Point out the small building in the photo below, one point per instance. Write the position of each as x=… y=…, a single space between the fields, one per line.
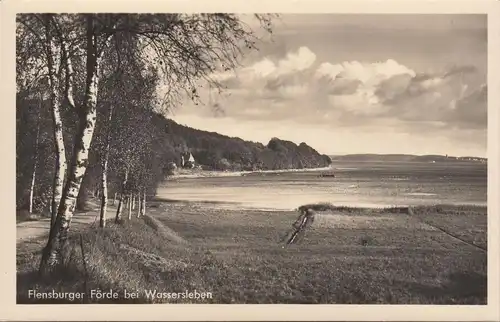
x=188 y=161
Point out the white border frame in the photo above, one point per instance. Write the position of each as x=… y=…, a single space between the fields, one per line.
x=192 y=312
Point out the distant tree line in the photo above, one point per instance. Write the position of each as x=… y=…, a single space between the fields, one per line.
x=219 y=152
x=160 y=142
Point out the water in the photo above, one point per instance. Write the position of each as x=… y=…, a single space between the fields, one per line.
x=360 y=184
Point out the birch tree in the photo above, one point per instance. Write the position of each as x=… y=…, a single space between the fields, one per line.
x=96 y=39
x=127 y=91
x=183 y=48
x=53 y=64
x=130 y=145
x=42 y=31
x=30 y=75
x=36 y=153
x=34 y=150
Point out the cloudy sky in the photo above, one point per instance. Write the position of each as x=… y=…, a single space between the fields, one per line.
x=360 y=84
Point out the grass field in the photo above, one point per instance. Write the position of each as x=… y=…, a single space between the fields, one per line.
x=428 y=255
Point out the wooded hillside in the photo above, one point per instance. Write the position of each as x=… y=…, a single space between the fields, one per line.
x=168 y=140
x=219 y=152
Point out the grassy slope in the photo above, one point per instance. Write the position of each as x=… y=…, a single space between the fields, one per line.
x=237 y=256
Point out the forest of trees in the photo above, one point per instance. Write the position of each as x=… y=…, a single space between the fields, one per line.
x=90 y=120
x=214 y=151
x=167 y=139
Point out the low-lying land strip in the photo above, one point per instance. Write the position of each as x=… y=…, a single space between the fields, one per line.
x=429 y=255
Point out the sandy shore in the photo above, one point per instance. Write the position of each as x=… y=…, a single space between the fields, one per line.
x=183 y=173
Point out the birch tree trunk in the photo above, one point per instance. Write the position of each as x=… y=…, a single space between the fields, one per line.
x=35 y=161
x=53 y=63
x=133 y=202
x=55 y=250
x=32 y=185
x=129 y=207
x=104 y=196
x=143 y=208
x=118 y=215
x=32 y=188
x=139 y=204
x=114 y=199
x=122 y=197
x=60 y=164
x=104 y=165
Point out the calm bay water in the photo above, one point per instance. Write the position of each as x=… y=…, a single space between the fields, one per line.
x=362 y=184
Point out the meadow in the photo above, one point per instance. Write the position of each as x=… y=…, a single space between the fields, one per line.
x=416 y=255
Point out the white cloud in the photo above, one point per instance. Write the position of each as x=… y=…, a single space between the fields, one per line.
x=367 y=73
x=293 y=62
x=368 y=77
x=296 y=88
x=303 y=59
x=329 y=70
x=432 y=83
x=262 y=68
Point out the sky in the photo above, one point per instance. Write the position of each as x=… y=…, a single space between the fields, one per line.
x=346 y=84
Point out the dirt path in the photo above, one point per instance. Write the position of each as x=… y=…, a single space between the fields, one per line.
x=33 y=229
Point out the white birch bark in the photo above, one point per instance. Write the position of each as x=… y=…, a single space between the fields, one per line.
x=53 y=63
x=129 y=207
x=104 y=165
x=55 y=249
x=69 y=74
x=35 y=161
x=104 y=196
x=118 y=215
x=138 y=205
x=122 y=197
x=143 y=208
x=32 y=187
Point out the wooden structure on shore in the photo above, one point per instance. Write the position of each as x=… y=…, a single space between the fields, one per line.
x=327 y=175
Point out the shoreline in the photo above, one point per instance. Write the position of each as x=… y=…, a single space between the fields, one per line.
x=237 y=206
x=194 y=174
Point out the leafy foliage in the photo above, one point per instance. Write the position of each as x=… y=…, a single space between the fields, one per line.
x=220 y=152
x=141 y=53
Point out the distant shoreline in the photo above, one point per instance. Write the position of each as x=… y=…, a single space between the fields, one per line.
x=360 y=206
x=193 y=174
x=404 y=158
